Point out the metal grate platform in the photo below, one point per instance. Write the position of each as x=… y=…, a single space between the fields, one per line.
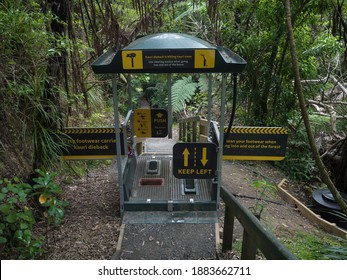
x=171 y=188
x=159 y=146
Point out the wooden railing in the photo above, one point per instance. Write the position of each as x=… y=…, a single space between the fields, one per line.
x=193 y=129
x=255 y=236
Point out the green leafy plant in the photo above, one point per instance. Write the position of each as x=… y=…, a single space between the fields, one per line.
x=318 y=246
x=335 y=252
x=264 y=190
x=298 y=163
x=48 y=193
x=182 y=91
x=17 y=220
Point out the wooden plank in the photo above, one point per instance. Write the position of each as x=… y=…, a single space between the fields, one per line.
x=309 y=214
x=266 y=242
x=249 y=248
x=228 y=230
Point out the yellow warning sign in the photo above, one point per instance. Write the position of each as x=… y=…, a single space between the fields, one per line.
x=142 y=123
x=204 y=58
x=90 y=143
x=257 y=130
x=255 y=143
x=132 y=60
x=89 y=130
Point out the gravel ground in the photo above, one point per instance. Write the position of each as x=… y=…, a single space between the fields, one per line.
x=91 y=226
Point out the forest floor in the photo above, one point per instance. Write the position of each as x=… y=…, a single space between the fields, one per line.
x=91 y=226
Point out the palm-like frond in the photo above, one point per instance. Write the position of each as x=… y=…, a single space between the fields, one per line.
x=182 y=91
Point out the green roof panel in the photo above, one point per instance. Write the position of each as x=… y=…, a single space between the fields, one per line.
x=168 y=41
x=169 y=53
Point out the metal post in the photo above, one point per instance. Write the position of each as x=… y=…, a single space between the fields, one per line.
x=221 y=137
x=118 y=144
x=130 y=96
x=209 y=101
x=168 y=86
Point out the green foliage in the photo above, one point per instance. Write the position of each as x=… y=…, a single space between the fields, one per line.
x=96 y=120
x=48 y=143
x=320 y=124
x=182 y=91
x=335 y=252
x=326 y=46
x=320 y=247
x=154 y=90
x=341 y=125
x=298 y=163
x=264 y=190
x=23 y=30
x=17 y=221
x=48 y=193
x=25 y=47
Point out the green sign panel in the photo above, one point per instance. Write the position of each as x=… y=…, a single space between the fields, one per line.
x=256 y=143
x=91 y=143
x=150 y=123
x=194 y=160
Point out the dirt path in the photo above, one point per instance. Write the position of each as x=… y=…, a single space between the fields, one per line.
x=278 y=216
x=91 y=226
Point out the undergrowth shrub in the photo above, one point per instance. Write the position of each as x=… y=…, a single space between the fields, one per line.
x=17 y=220
x=298 y=163
x=48 y=193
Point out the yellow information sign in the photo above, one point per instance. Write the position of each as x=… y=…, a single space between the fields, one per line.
x=91 y=143
x=142 y=123
x=255 y=143
x=132 y=60
x=150 y=122
x=204 y=58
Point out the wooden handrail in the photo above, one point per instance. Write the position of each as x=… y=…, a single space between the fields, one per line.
x=255 y=236
x=189 y=129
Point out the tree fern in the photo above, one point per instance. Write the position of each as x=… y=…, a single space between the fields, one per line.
x=203 y=83
x=182 y=91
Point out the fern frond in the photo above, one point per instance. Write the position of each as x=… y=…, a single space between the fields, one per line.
x=182 y=91
x=203 y=83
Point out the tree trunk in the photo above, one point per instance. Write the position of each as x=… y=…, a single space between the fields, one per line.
x=298 y=87
x=56 y=71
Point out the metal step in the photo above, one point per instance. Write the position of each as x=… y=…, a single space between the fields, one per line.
x=179 y=217
x=159 y=146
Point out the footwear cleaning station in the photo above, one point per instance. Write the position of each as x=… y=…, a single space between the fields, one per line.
x=157 y=175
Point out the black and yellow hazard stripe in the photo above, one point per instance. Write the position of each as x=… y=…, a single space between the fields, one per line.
x=257 y=130
x=88 y=130
x=87 y=157
x=252 y=157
